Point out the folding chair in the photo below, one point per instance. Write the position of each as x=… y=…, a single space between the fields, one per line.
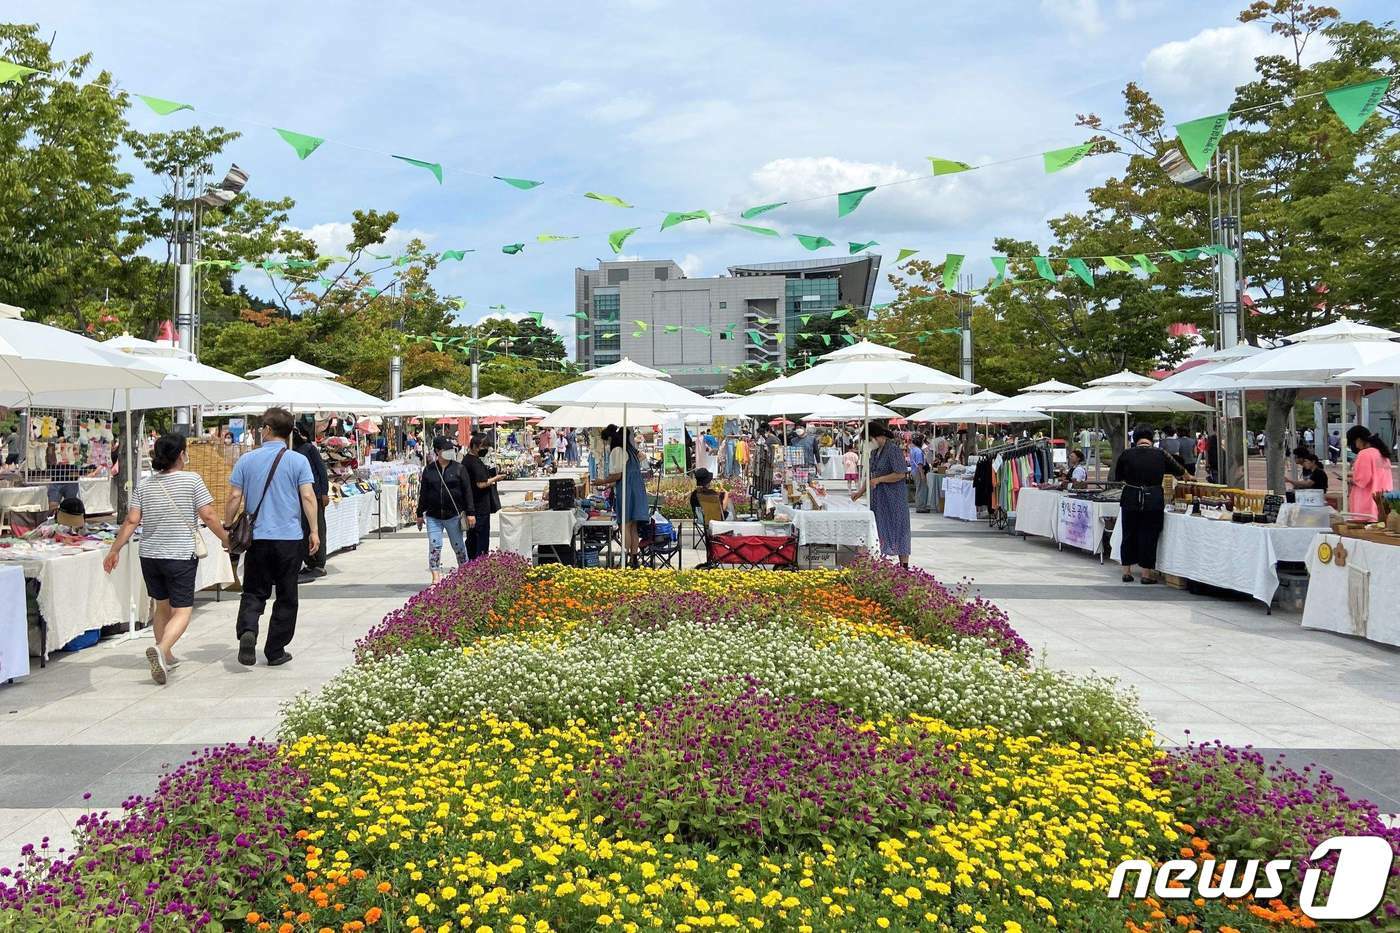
x=752 y=552
x=711 y=509
x=656 y=550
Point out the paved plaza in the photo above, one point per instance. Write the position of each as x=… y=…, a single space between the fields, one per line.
x=1204 y=667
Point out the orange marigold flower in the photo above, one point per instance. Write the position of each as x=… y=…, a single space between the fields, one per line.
x=253 y=917
x=373 y=914
x=264 y=926
x=384 y=887
x=286 y=928
x=1158 y=915
x=298 y=888
x=358 y=874
x=303 y=917
x=1199 y=843
x=1186 y=852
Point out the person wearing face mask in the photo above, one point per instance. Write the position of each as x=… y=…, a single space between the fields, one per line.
x=889 y=499
x=1141 y=469
x=445 y=499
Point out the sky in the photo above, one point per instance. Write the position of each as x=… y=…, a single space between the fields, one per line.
x=669 y=105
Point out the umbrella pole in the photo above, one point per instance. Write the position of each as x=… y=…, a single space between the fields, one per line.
x=1346 y=504
x=865 y=451
x=622 y=503
x=132 y=578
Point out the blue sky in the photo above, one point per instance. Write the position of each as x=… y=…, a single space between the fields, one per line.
x=669 y=105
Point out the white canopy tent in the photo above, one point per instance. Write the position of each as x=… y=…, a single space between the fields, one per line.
x=1122 y=393
x=430 y=402
x=844 y=409
x=301 y=387
x=1318 y=357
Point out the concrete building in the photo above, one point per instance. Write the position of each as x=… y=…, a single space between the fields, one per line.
x=696 y=329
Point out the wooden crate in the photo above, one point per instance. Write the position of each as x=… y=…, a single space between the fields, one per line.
x=1175 y=582
x=1378 y=537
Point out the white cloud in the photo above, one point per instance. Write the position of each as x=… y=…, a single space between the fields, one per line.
x=1080 y=15
x=560 y=92
x=691 y=265
x=708 y=119
x=623 y=109
x=332 y=238
x=1216 y=61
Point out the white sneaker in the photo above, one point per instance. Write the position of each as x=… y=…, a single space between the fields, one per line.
x=159 y=672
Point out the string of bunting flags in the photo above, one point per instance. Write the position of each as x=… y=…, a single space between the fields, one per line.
x=1353 y=104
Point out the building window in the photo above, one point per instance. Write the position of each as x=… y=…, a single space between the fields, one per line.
x=617 y=276
x=723 y=305
x=724 y=335
x=661 y=273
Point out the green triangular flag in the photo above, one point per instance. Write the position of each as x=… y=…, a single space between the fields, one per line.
x=1117 y=264
x=951 y=266
x=861 y=247
x=672 y=328
x=433 y=167
x=301 y=142
x=324 y=282
x=1200 y=137
x=729 y=331
x=1002 y=276
x=524 y=184
x=1145 y=264
x=848 y=201
x=618 y=237
x=1352 y=104
x=457 y=254
x=379 y=256
x=495 y=307
x=703 y=330
x=811 y=241
x=580 y=315
x=680 y=217
x=512 y=248
x=164 y=107
x=553 y=237
x=537 y=315
x=904 y=254
x=1058 y=159
x=1042 y=265
x=373 y=292
x=9 y=71
x=404 y=260
x=1177 y=255
x=584 y=336
x=947 y=166
x=804 y=318
x=849 y=338
x=607 y=199
x=753 y=212
x=461 y=303
x=840 y=313
x=761 y=231
x=1080 y=268
x=826 y=339
x=641 y=325
x=950 y=330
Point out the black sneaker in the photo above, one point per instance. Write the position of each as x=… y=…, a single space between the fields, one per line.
x=248 y=649
x=281 y=659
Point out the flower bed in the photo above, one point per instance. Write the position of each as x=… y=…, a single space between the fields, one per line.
x=522 y=749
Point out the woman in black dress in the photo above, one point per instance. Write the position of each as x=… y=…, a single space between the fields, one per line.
x=1141 y=469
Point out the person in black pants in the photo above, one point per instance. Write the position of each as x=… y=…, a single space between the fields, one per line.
x=321 y=486
x=486 y=498
x=278 y=489
x=1141 y=469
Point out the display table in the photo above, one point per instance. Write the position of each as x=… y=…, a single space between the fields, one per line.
x=935 y=494
x=959 y=499
x=366 y=513
x=388 y=506
x=1225 y=554
x=342 y=524
x=832 y=467
x=841 y=523
x=1038 y=512
x=751 y=529
x=14 y=625
x=76 y=595
x=1358 y=599
x=96 y=493
x=24 y=499
x=523 y=531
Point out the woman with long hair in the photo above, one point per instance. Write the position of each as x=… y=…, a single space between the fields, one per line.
x=1370 y=474
x=623 y=457
x=168 y=507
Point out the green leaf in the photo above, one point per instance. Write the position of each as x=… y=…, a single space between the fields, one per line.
x=607 y=199
x=164 y=107
x=524 y=184
x=433 y=167
x=301 y=142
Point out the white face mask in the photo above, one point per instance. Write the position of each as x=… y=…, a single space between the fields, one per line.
x=449 y=454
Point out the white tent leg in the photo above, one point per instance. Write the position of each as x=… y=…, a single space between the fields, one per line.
x=1346 y=505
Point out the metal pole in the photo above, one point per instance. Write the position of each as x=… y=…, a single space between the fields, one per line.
x=184 y=315
x=965 y=322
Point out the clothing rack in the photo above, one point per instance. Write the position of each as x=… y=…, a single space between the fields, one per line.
x=1022 y=463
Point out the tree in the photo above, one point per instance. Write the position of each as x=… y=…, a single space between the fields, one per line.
x=61 y=185
x=743 y=378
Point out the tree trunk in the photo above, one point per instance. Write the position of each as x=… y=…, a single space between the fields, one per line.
x=1280 y=404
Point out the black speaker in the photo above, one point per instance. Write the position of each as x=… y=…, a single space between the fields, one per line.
x=561 y=495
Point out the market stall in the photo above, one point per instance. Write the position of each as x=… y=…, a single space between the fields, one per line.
x=836 y=522
x=1226 y=554
x=1065 y=517
x=1354 y=588
x=14 y=625
x=350 y=517
x=523 y=530
x=959 y=499
x=1038 y=512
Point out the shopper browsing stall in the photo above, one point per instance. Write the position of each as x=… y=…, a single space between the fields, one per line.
x=1370 y=474
x=623 y=456
x=1313 y=476
x=445 y=503
x=168 y=507
x=321 y=486
x=889 y=499
x=487 y=499
x=1141 y=469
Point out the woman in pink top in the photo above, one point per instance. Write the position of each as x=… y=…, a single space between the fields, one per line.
x=1370 y=473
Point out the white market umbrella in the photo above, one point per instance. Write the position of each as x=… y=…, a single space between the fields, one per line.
x=1317 y=357
x=918 y=400
x=578 y=416
x=850 y=410
x=301 y=387
x=1051 y=387
x=630 y=387
x=37 y=358
x=778 y=404
x=430 y=402
x=867 y=368
x=125 y=343
x=497 y=397
x=295 y=368
x=1124 y=393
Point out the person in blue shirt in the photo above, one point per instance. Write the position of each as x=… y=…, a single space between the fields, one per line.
x=916 y=466
x=277 y=488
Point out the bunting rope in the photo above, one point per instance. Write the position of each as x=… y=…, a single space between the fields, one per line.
x=1352 y=103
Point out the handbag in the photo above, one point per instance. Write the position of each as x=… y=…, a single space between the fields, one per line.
x=240 y=532
x=201 y=550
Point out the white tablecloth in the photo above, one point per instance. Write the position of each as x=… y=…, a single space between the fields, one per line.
x=1362 y=598
x=1224 y=554
x=1038 y=512
x=342 y=524
x=24 y=499
x=759 y=529
x=959 y=499
x=388 y=506
x=832 y=465
x=841 y=523
x=1080 y=522
x=522 y=532
x=96 y=493
x=76 y=595
x=14 y=625
x=366 y=514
